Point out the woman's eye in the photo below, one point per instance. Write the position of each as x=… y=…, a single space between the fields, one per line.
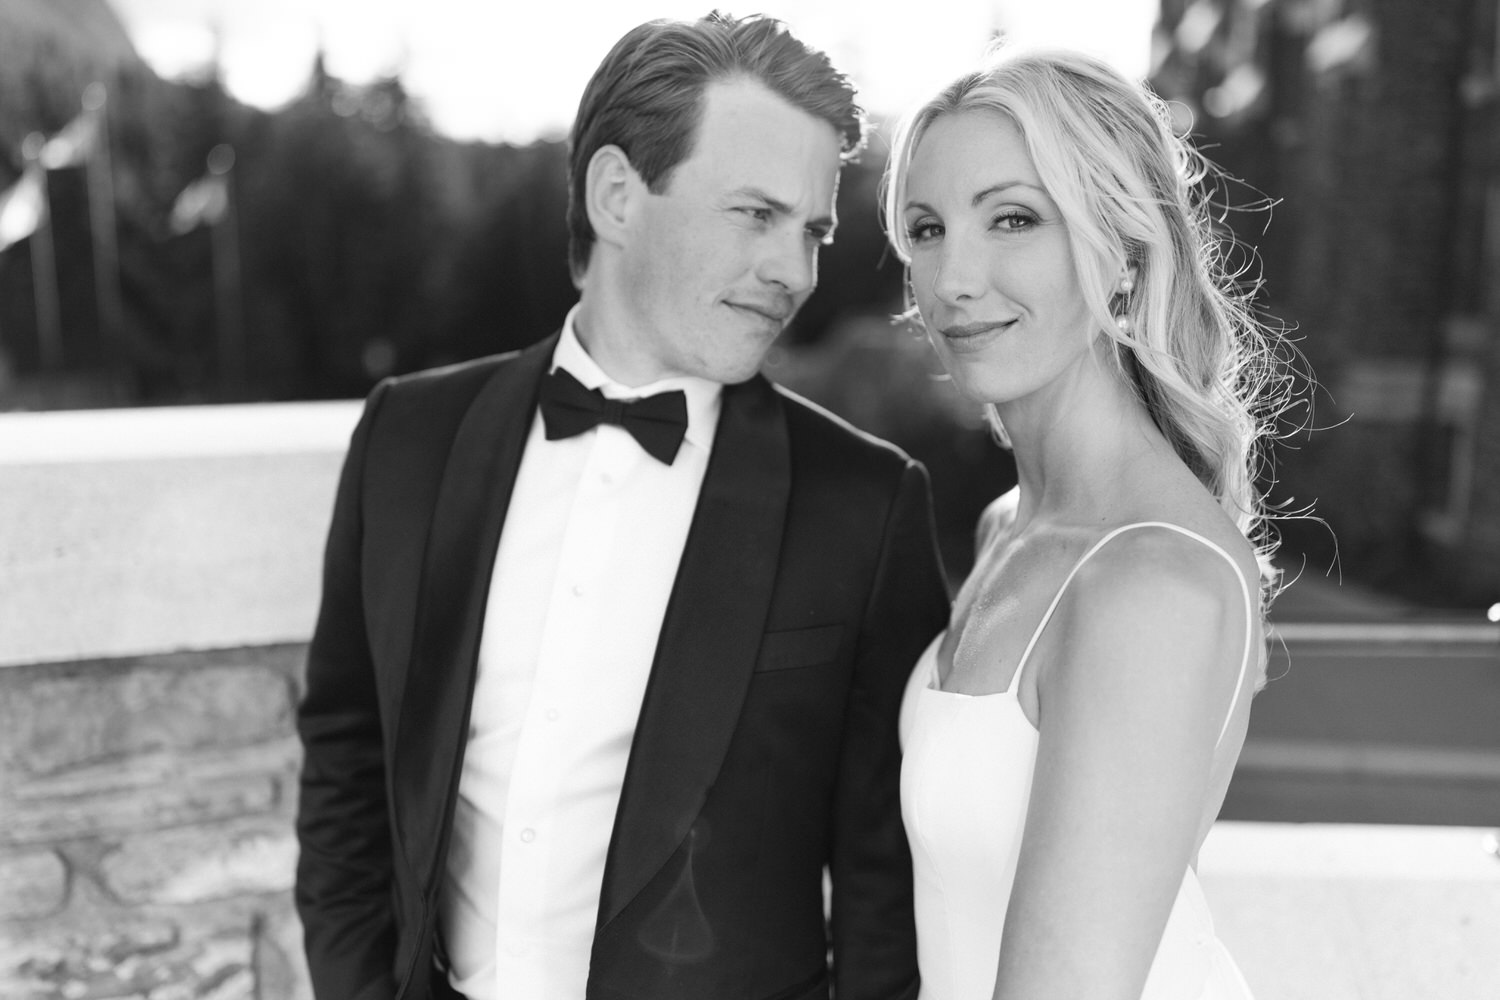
x=920 y=232
x=758 y=213
x=1015 y=222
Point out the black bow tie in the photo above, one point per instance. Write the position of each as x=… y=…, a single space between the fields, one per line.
x=657 y=422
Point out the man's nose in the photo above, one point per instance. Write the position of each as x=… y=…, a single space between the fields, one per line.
x=791 y=261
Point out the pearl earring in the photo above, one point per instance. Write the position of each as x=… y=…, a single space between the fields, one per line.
x=1122 y=319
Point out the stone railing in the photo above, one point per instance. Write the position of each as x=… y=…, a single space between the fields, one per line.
x=158 y=582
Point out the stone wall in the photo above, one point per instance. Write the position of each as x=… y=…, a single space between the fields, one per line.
x=147 y=848
x=158 y=579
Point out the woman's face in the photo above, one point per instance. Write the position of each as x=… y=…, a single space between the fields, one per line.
x=991 y=264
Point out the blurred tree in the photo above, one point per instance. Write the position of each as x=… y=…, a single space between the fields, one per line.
x=49 y=54
x=1375 y=124
x=506 y=284
x=857 y=274
x=341 y=217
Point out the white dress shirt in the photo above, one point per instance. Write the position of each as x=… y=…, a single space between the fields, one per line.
x=586 y=563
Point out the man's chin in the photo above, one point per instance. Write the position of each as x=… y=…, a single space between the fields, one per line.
x=734 y=375
x=733 y=371
x=736 y=366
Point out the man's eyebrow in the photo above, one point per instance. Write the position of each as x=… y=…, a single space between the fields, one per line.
x=777 y=205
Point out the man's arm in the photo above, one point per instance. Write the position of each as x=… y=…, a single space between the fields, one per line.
x=874 y=938
x=344 y=872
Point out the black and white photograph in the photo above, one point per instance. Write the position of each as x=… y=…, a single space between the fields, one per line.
x=629 y=500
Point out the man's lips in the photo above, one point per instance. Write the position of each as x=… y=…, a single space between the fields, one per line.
x=773 y=311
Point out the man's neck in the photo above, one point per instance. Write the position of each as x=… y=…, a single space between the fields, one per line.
x=605 y=333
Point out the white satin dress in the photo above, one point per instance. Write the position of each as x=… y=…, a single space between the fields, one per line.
x=964 y=821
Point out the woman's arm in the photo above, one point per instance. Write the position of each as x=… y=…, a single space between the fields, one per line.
x=1136 y=674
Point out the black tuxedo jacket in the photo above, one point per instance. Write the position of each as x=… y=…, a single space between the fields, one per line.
x=766 y=744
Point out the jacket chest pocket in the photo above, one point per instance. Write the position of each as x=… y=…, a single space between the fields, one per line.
x=792 y=649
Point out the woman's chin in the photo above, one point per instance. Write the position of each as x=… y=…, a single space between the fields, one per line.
x=978 y=386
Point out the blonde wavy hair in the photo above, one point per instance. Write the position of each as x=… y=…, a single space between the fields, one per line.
x=1128 y=189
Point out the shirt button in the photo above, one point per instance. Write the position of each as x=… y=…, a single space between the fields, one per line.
x=577 y=590
x=551 y=715
x=606 y=478
x=528 y=835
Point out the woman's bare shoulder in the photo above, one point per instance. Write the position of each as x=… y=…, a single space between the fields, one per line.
x=1156 y=598
x=1151 y=560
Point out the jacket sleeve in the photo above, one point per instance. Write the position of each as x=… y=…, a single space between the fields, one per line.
x=873 y=932
x=344 y=874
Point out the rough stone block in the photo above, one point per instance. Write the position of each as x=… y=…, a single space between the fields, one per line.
x=280 y=963
x=59 y=722
x=201 y=863
x=32 y=884
x=40 y=819
x=210 y=957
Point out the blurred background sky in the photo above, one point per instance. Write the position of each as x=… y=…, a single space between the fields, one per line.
x=513 y=71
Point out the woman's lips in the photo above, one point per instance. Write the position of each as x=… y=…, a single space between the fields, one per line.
x=966 y=337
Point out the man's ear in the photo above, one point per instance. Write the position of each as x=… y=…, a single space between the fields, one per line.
x=609 y=186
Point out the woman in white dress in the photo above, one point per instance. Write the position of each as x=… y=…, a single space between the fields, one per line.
x=1069 y=738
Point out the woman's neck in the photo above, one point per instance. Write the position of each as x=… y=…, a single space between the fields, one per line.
x=1079 y=443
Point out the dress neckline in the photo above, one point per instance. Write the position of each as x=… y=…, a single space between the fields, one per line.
x=1011 y=690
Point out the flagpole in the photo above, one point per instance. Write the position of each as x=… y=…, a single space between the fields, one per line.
x=101 y=187
x=44 y=268
x=225 y=240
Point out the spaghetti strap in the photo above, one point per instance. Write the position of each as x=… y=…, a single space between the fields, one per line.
x=1238 y=575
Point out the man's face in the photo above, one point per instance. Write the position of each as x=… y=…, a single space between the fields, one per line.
x=716 y=265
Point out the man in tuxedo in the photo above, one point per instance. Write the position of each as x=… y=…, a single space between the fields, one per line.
x=614 y=632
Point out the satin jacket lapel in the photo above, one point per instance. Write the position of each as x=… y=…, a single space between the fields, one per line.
x=709 y=639
x=465 y=531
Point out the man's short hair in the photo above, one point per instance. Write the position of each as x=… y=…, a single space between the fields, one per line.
x=647 y=98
